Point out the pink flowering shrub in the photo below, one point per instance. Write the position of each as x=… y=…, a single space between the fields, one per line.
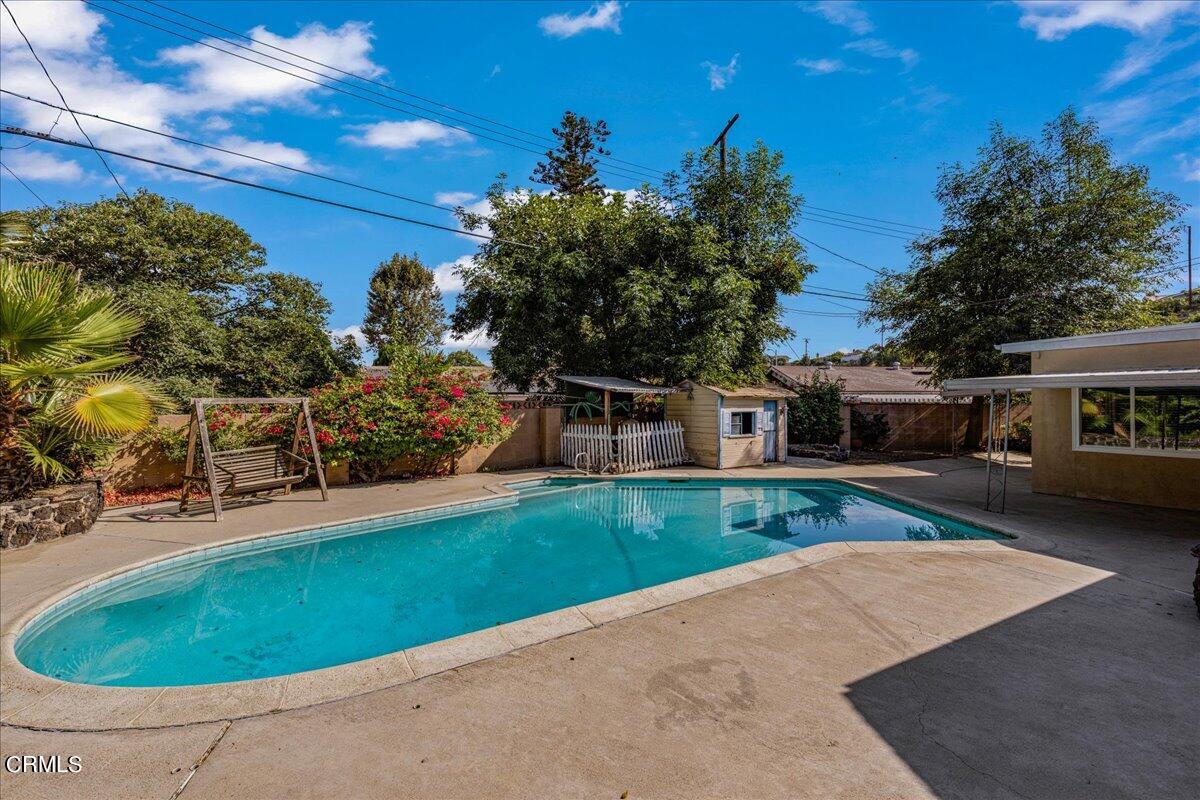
x=420 y=412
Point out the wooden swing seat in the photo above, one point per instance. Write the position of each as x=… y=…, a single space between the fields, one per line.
x=251 y=470
x=248 y=470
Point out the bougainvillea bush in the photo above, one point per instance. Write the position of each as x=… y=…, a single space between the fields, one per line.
x=421 y=412
x=231 y=427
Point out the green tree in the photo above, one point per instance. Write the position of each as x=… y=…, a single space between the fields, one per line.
x=347 y=355
x=63 y=396
x=615 y=287
x=194 y=278
x=404 y=307
x=815 y=413
x=751 y=205
x=657 y=286
x=570 y=168
x=281 y=330
x=1040 y=239
x=462 y=358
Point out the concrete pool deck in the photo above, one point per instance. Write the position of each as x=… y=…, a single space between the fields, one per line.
x=1065 y=663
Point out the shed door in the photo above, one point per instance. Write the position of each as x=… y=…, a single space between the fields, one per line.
x=769 y=414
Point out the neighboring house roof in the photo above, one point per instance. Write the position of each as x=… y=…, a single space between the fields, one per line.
x=764 y=392
x=605 y=382
x=1185 y=332
x=858 y=380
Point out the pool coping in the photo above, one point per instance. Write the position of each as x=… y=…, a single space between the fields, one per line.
x=29 y=699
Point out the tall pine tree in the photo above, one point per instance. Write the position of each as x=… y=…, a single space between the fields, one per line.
x=570 y=168
x=404 y=306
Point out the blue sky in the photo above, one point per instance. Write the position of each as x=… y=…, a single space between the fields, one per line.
x=865 y=100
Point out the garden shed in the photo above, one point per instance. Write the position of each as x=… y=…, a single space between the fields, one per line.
x=731 y=427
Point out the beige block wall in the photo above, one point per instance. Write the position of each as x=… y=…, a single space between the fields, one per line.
x=1168 y=481
x=698 y=414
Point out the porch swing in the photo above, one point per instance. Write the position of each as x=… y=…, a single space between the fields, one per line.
x=248 y=471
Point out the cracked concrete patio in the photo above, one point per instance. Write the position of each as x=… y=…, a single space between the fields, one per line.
x=1065 y=665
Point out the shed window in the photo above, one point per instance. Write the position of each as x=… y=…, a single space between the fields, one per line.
x=1151 y=421
x=741 y=423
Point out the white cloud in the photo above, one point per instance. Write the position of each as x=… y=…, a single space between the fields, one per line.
x=825 y=66
x=925 y=99
x=471 y=340
x=600 y=17
x=268 y=151
x=1189 y=166
x=1056 y=19
x=877 y=48
x=495 y=71
x=446 y=276
x=406 y=135
x=219 y=81
x=844 y=13
x=350 y=330
x=453 y=198
x=1141 y=56
x=721 y=76
x=1161 y=112
x=52 y=26
x=34 y=165
x=208 y=90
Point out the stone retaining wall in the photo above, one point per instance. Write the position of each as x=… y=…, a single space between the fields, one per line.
x=50 y=513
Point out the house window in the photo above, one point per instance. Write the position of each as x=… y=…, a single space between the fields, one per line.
x=1148 y=421
x=741 y=423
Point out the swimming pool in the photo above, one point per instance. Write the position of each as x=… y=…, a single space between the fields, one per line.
x=331 y=596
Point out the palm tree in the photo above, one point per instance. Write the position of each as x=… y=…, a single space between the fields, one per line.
x=61 y=394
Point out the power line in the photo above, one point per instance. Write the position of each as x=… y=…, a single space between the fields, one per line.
x=860 y=230
x=856 y=295
x=618 y=172
x=23 y=183
x=227 y=151
x=872 y=219
x=252 y=185
x=838 y=296
x=863 y=225
x=839 y=255
x=78 y=124
x=366 y=79
x=818 y=313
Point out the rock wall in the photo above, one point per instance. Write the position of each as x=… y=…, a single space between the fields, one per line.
x=50 y=513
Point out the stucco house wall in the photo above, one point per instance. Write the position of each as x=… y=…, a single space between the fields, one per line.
x=1058 y=468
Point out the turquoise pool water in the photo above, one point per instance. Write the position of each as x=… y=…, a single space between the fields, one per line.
x=343 y=594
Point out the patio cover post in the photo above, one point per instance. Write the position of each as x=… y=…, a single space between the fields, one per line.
x=987 y=487
x=1004 y=472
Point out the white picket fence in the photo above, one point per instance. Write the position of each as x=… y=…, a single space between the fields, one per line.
x=634 y=447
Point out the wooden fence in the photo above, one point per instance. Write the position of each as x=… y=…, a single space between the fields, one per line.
x=634 y=447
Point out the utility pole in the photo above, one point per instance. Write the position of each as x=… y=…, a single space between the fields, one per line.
x=720 y=140
x=806 y=349
x=1189 y=266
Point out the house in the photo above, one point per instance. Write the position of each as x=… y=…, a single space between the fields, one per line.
x=1116 y=416
x=731 y=427
x=854 y=357
x=919 y=416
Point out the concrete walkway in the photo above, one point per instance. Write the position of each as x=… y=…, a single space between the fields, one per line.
x=1065 y=666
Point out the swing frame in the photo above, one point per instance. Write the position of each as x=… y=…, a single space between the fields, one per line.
x=198 y=435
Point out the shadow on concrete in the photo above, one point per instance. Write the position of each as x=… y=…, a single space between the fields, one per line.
x=1095 y=694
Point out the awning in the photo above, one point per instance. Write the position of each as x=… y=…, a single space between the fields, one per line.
x=1174 y=376
x=604 y=382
